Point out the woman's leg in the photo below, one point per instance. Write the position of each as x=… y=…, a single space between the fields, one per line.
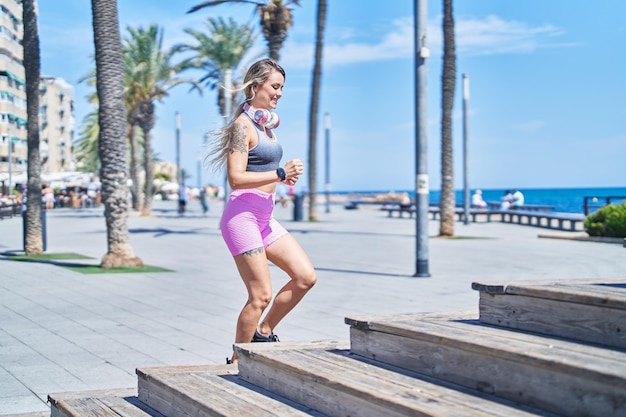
x=289 y=256
x=255 y=273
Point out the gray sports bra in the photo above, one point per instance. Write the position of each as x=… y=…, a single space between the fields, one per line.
x=266 y=154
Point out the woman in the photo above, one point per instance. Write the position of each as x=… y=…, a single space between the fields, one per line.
x=250 y=150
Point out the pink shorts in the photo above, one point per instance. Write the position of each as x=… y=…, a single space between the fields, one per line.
x=248 y=221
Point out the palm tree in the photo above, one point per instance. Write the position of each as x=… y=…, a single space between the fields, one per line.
x=86 y=150
x=87 y=144
x=132 y=117
x=135 y=158
x=448 y=82
x=152 y=75
x=32 y=64
x=112 y=143
x=275 y=18
x=315 y=90
x=216 y=53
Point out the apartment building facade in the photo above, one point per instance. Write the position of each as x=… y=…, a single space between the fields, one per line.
x=13 y=146
x=56 y=106
x=56 y=122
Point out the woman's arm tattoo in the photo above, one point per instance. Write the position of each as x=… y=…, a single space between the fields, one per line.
x=238 y=140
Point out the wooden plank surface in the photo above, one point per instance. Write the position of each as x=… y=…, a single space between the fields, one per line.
x=210 y=391
x=511 y=345
x=599 y=294
x=336 y=383
x=581 y=322
x=555 y=375
x=363 y=321
x=496 y=287
x=99 y=403
x=602 y=292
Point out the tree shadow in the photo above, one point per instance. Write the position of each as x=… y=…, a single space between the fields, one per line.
x=162 y=231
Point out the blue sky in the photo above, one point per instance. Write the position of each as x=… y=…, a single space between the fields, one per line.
x=547 y=88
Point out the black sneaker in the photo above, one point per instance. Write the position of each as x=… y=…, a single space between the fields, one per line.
x=228 y=361
x=258 y=337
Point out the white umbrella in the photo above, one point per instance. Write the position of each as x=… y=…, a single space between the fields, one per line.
x=170 y=186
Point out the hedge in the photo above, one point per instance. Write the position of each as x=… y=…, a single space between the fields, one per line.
x=609 y=221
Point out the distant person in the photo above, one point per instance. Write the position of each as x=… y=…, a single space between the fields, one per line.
x=507 y=200
x=518 y=198
x=182 y=198
x=405 y=201
x=203 y=201
x=48 y=197
x=249 y=149
x=477 y=200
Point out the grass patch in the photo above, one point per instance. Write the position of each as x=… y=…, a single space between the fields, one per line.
x=59 y=259
x=95 y=269
x=45 y=256
x=462 y=237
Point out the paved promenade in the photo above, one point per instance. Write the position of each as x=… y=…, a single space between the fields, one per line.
x=65 y=331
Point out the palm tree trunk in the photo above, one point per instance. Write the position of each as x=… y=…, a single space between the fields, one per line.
x=146 y=121
x=134 y=167
x=112 y=142
x=448 y=81
x=315 y=96
x=146 y=210
x=32 y=64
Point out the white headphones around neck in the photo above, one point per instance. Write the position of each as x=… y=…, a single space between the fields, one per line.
x=262 y=117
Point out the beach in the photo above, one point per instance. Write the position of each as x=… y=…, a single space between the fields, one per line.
x=62 y=330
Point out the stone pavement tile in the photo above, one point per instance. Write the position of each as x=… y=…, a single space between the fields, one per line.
x=15 y=406
x=10 y=386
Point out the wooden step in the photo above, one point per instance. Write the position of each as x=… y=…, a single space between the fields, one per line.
x=211 y=390
x=335 y=382
x=591 y=311
x=100 y=403
x=551 y=374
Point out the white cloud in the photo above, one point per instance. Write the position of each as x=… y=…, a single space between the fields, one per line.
x=530 y=127
x=486 y=36
x=493 y=35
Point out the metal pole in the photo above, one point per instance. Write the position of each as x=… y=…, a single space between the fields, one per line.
x=199 y=173
x=178 y=170
x=228 y=104
x=10 y=162
x=327 y=129
x=421 y=139
x=466 y=189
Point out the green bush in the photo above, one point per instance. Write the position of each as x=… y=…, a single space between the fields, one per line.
x=609 y=221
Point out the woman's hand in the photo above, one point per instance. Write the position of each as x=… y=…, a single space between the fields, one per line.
x=291 y=181
x=293 y=169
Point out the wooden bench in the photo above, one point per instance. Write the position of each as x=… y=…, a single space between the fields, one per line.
x=460 y=213
x=497 y=205
x=396 y=208
x=549 y=220
x=543 y=219
x=8 y=209
x=354 y=204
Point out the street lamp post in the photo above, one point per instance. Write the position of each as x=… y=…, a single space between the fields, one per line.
x=199 y=172
x=228 y=105
x=327 y=188
x=178 y=170
x=421 y=133
x=10 y=162
x=466 y=190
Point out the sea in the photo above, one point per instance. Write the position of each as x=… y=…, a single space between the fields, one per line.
x=565 y=200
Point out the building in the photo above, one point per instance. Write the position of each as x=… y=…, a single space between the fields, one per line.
x=56 y=121
x=13 y=146
x=56 y=111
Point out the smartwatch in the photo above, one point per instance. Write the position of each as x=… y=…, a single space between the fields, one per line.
x=281 y=174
